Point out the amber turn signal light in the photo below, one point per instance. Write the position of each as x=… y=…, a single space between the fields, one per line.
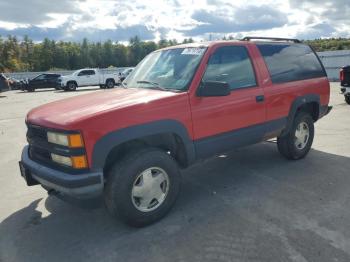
x=79 y=162
x=75 y=140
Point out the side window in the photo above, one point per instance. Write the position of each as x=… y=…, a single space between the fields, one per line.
x=90 y=72
x=40 y=77
x=51 y=76
x=290 y=62
x=83 y=73
x=231 y=64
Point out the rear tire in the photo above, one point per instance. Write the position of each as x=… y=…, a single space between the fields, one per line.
x=347 y=99
x=109 y=83
x=297 y=143
x=142 y=187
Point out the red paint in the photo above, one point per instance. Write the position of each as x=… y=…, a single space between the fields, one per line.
x=342 y=75
x=99 y=113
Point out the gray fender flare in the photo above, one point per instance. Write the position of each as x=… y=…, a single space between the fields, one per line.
x=105 y=144
x=297 y=103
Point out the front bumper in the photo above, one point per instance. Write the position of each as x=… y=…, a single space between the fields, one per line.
x=59 y=85
x=82 y=186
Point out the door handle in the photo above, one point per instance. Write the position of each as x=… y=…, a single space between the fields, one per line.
x=260 y=99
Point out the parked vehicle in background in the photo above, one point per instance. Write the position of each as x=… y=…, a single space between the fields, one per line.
x=4 y=83
x=88 y=77
x=125 y=73
x=16 y=84
x=180 y=104
x=345 y=82
x=41 y=81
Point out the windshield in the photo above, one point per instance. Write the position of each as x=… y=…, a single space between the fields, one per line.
x=170 y=69
x=126 y=71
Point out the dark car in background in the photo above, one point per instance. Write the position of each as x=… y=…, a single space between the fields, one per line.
x=345 y=82
x=42 y=81
x=4 y=83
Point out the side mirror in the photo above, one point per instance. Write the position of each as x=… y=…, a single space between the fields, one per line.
x=214 y=88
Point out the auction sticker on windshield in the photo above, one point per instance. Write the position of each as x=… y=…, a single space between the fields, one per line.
x=193 y=51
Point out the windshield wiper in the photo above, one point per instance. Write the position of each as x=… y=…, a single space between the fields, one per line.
x=155 y=85
x=147 y=82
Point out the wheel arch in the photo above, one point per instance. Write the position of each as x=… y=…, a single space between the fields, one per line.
x=72 y=81
x=169 y=135
x=109 y=79
x=307 y=103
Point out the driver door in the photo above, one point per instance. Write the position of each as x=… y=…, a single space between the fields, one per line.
x=222 y=122
x=83 y=78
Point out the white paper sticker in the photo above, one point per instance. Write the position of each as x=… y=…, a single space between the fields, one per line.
x=193 y=51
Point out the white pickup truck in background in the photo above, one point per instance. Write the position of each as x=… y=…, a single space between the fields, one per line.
x=88 y=77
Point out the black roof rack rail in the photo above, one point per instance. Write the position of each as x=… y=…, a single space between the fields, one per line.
x=249 y=38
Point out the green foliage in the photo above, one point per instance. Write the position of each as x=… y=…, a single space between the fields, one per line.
x=49 y=54
x=330 y=44
x=26 y=55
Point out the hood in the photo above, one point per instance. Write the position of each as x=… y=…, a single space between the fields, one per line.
x=64 y=113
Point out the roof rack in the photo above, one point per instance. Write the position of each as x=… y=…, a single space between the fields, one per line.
x=249 y=38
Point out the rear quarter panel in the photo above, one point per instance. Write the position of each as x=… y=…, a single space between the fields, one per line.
x=279 y=97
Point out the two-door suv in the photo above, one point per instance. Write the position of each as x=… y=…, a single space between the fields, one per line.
x=180 y=104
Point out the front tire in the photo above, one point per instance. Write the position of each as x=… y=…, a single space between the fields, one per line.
x=142 y=187
x=347 y=99
x=71 y=86
x=297 y=143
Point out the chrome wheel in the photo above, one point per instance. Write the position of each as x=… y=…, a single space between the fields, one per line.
x=302 y=134
x=150 y=189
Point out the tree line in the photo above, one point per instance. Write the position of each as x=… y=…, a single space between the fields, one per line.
x=26 y=55
x=331 y=44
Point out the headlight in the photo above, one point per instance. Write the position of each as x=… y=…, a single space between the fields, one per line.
x=64 y=160
x=77 y=162
x=69 y=140
x=56 y=138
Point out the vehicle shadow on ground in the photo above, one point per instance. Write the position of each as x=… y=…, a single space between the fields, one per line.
x=80 y=90
x=36 y=91
x=57 y=91
x=231 y=207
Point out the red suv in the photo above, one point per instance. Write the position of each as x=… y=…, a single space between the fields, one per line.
x=180 y=104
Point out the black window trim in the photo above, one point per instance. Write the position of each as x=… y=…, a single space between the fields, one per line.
x=251 y=62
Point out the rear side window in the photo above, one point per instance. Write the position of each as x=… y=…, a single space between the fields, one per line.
x=86 y=73
x=231 y=64
x=291 y=62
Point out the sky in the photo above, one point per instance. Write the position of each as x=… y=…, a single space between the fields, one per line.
x=118 y=20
